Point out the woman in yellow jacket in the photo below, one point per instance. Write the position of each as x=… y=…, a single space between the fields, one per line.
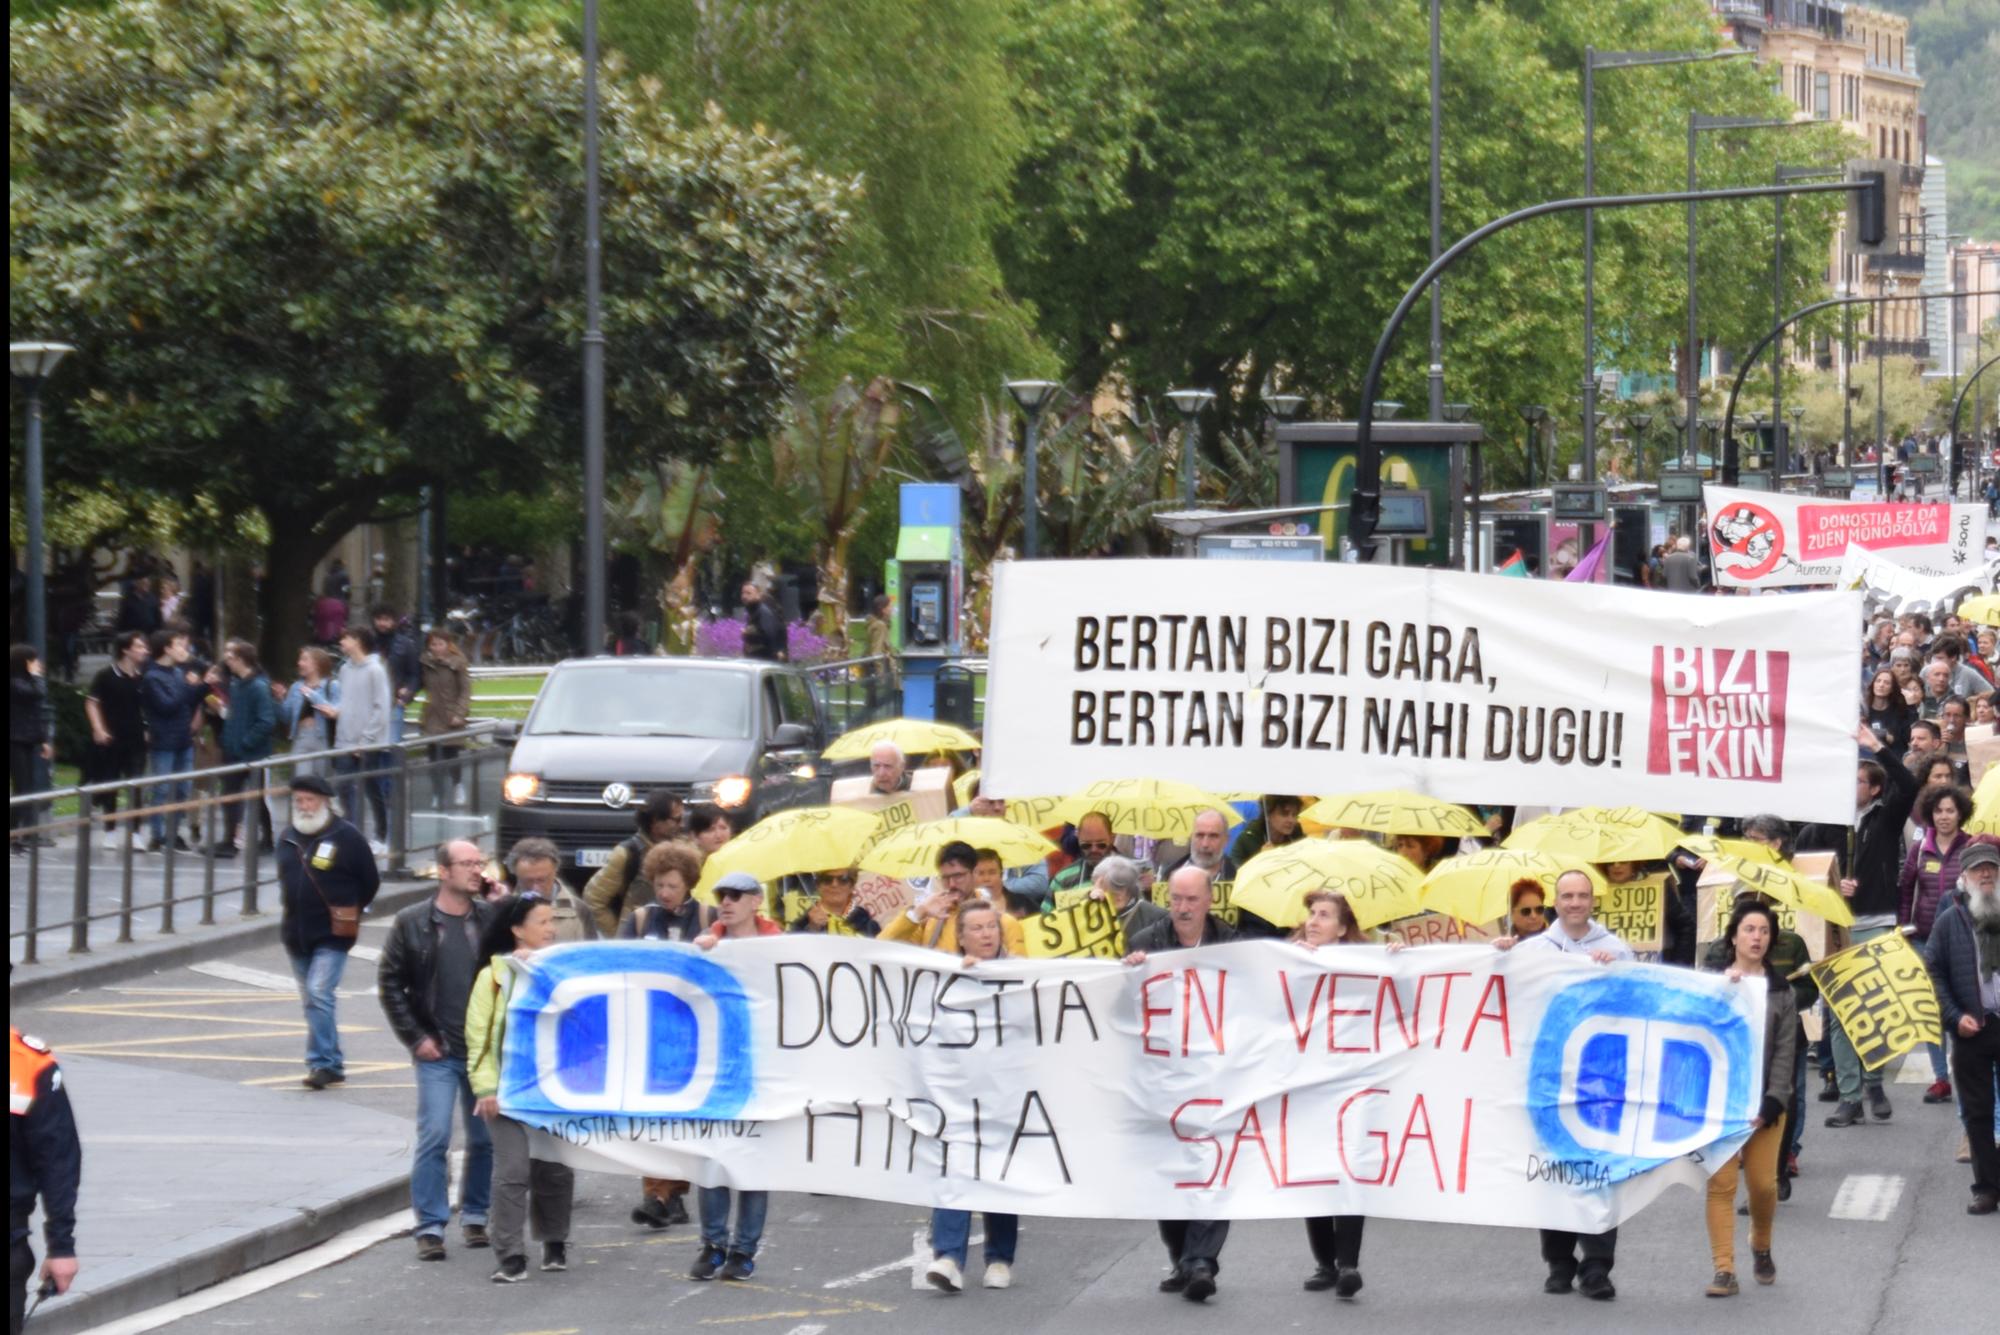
x=524 y=924
x=934 y=922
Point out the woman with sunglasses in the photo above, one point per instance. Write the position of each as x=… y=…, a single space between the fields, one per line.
x=981 y=935
x=834 y=909
x=1335 y=1239
x=521 y=925
x=738 y=897
x=1527 y=909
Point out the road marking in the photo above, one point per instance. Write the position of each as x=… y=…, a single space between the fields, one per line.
x=916 y=1263
x=1914 y=1072
x=244 y=974
x=96 y=1049
x=370 y=953
x=1868 y=1197
x=334 y=1249
x=807 y=1328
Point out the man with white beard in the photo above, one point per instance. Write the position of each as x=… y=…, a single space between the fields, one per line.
x=1964 y=958
x=1206 y=841
x=326 y=877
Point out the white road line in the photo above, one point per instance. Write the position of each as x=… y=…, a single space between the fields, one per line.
x=807 y=1328
x=1916 y=1069
x=369 y=953
x=264 y=1277
x=244 y=974
x=1868 y=1197
x=916 y=1263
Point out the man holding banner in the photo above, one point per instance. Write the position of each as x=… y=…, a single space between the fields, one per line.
x=1964 y=960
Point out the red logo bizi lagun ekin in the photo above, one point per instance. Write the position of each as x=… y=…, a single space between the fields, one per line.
x=1719 y=713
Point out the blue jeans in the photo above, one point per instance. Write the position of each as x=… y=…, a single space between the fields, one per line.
x=751 y=1207
x=441 y=1085
x=365 y=774
x=319 y=976
x=950 y=1230
x=177 y=760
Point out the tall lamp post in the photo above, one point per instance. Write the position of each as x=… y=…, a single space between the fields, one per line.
x=1189 y=403
x=1460 y=556
x=1532 y=414
x=32 y=365
x=1031 y=397
x=593 y=353
x=1641 y=423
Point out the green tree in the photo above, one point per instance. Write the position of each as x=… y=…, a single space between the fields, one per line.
x=316 y=256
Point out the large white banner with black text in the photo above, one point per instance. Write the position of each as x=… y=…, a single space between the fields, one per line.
x=1252 y=1080
x=1767 y=540
x=1327 y=679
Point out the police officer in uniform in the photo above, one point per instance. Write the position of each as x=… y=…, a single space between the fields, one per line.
x=43 y=1158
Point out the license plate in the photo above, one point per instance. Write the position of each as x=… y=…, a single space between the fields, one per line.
x=592 y=857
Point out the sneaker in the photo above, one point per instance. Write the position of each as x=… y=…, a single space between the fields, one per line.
x=1597 y=1287
x=1320 y=1280
x=1763 y=1267
x=999 y=1275
x=1559 y=1282
x=318 y=1078
x=222 y=850
x=334 y=1077
x=513 y=1269
x=739 y=1267
x=1175 y=1282
x=1723 y=1285
x=1939 y=1092
x=475 y=1236
x=651 y=1212
x=1847 y=1114
x=1964 y=1154
x=430 y=1247
x=944 y=1274
x=677 y=1210
x=1878 y=1102
x=1348 y=1284
x=1829 y=1089
x=707 y=1263
x=555 y=1256
x=1200 y=1282
x=181 y=845
x=111 y=841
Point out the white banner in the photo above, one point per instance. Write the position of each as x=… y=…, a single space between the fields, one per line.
x=1252 y=1080
x=1476 y=688
x=1769 y=540
x=1890 y=589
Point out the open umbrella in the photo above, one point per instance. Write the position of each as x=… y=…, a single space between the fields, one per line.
x=1395 y=811
x=913 y=850
x=1377 y=884
x=1154 y=808
x=1476 y=887
x=1986 y=802
x=1772 y=875
x=1600 y=834
x=916 y=737
x=1983 y=608
x=785 y=843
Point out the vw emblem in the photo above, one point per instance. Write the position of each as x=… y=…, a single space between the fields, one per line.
x=616 y=795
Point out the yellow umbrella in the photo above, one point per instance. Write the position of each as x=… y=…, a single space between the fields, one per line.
x=1155 y=808
x=964 y=788
x=1475 y=887
x=1377 y=884
x=916 y=737
x=913 y=850
x=1783 y=882
x=1395 y=811
x=1986 y=803
x=1600 y=834
x=802 y=839
x=1983 y=608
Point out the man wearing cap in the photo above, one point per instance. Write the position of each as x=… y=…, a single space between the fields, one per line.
x=324 y=863
x=1964 y=959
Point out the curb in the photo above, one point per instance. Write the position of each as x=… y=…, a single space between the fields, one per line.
x=29 y=984
x=225 y=1260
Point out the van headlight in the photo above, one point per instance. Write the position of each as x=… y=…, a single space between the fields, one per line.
x=728 y=792
x=521 y=789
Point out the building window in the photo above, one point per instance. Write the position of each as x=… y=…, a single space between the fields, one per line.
x=1822 y=96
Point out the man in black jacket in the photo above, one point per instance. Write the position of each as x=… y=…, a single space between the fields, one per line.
x=1884 y=794
x=763 y=628
x=1964 y=959
x=323 y=863
x=1193 y=1245
x=424 y=979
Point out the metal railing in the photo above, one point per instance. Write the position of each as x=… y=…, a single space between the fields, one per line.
x=856 y=691
x=455 y=768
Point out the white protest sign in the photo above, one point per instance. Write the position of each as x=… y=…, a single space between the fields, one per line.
x=1251 y=1080
x=1891 y=590
x=1771 y=540
x=1342 y=678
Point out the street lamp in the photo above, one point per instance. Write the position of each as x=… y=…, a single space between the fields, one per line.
x=1386 y=410
x=1031 y=397
x=1639 y=424
x=1284 y=407
x=1189 y=402
x=1457 y=412
x=593 y=353
x=1532 y=414
x=32 y=364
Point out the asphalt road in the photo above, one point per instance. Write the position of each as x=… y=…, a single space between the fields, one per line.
x=831 y=1265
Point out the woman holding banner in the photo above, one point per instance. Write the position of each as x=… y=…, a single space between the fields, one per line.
x=979 y=934
x=1752 y=929
x=1335 y=1239
x=1527 y=908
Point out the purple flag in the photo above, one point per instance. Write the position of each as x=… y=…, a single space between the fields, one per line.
x=1587 y=569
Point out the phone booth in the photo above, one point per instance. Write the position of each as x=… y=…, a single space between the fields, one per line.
x=926 y=587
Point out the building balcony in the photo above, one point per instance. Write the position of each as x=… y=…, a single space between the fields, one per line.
x=1913 y=177
x=1919 y=348
x=1740 y=11
x=1896 y=264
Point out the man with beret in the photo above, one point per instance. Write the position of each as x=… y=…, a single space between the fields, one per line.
x=326 y=877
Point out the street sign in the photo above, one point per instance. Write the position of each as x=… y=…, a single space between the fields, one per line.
x=1259 y=547
x=1406 y=513
x=1680 y=486
x=1837 y=479
x=1577 y=502
x=1924 y=463
x=1754 y=479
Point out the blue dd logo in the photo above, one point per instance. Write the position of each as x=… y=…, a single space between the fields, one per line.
x=1631 y=1071
x=647 y=1031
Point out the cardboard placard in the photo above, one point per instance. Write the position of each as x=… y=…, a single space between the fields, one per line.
x=1429 y=929
x=1636 y=912
x=1220 y=894
x=1086 y=929
x=1883 y=996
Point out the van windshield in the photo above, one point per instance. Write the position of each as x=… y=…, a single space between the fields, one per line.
x=643 y=702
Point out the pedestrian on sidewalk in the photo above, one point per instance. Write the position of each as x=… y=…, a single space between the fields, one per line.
x=522 y=1182
x=396 y=642
x=1964 y=960
x=978 y=929
x=447 y=681
x=117 y=726
x=29 y=748
x=1752 y=930
x=170 y=695
x=425 y=980
x=249 y=721
x=44 y=1159
x=738 y=896
x=308 y=708
x=363 y=719
x=326 y=878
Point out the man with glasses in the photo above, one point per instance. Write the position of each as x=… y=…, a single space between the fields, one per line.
x=834 y=909
x=423 y=981
x=323 y=864
x=934 y=922
x=1094 y=843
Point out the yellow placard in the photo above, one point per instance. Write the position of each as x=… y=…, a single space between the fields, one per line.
x=1429 y=929
x=1088 y=928
x=1636 y=912
x=1882 y=995
x=1220 y=894
x=796 y=904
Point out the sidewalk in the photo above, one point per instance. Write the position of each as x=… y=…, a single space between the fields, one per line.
x=188 y=1181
